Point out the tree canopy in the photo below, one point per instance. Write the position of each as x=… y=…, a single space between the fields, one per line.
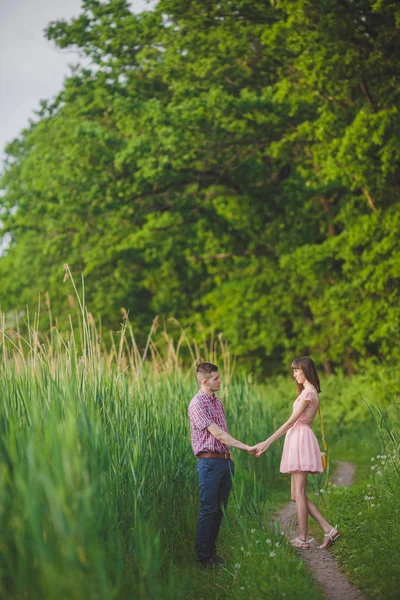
x=231 y=164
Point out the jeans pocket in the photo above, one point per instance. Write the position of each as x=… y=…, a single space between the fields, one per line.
x=205 y=466
x=202 y=465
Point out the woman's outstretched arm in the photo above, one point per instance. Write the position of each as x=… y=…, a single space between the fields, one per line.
x=298 y=410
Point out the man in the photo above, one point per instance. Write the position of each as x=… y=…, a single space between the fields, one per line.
x=210 y=443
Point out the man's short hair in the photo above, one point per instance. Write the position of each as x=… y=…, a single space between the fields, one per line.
x=204 y=371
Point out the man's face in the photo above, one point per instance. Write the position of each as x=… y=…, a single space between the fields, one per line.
x=214 y=382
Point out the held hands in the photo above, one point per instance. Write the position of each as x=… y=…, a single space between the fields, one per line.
x=259 y=449
x=262 y=447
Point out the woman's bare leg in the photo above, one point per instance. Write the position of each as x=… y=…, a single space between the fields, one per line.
x=316 y=515
x=299 y=480
x=327 y=527
x=314 y=512
x=292 y=489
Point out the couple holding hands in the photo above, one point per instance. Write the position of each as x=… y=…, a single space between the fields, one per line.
x=211 y=442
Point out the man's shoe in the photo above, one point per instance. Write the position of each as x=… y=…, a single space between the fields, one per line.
x=217 y=559
x=207 y=563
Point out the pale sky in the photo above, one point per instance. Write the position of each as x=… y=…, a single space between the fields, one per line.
x=32 y=68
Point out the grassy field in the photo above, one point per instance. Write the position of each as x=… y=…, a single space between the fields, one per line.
x=98 y=483
x=369 y=511
x=99 y=493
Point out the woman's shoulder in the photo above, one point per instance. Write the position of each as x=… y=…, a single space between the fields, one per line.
x=309 y=394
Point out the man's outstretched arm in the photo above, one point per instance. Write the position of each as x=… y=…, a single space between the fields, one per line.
x=227 y=439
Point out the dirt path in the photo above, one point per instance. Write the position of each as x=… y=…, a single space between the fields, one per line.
x=321 y=562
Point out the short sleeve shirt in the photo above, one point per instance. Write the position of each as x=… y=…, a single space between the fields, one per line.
x=204 y=410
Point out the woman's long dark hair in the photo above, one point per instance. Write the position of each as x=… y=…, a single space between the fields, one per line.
x=310 y=372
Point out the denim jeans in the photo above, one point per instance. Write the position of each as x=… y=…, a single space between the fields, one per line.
x=215 y=482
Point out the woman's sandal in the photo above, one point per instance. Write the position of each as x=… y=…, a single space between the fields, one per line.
x=302 y=545
x=332 y=538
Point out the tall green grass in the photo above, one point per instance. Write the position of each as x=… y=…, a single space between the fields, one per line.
x=368 y=513
x=98 y=483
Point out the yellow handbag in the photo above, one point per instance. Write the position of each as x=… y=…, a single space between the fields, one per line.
x=324 y=456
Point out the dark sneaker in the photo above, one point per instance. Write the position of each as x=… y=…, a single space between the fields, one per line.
x=217 y=559
x=208 y=563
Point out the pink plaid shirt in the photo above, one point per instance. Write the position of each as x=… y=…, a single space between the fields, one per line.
x=204 y=410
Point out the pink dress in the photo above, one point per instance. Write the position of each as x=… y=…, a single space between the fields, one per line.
x=301 y=451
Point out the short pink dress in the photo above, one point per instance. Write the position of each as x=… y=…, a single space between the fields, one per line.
x=301 y=451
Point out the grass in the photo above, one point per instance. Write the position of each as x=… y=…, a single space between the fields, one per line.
x=257 y=567
x=369 y=512
x=99 y=495
x=369 y=515
x=98 y=483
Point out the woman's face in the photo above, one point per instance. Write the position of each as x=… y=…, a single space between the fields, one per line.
x=299 y=375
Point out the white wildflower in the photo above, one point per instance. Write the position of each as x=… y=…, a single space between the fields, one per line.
x=277 y=544
x=237 y=566
x=248 y=554
x=268 y=541
x=272 y=554
x=372 y=459
x=379 y=473
x=372 y=468
x=321 y=491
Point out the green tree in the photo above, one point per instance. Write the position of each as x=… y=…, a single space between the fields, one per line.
x=230 y=164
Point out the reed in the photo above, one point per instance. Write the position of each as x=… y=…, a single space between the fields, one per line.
x=98 y=482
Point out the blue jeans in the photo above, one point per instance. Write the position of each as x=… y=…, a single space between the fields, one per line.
x=215 y=482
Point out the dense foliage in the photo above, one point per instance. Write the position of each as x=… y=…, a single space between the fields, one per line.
x=231 y=164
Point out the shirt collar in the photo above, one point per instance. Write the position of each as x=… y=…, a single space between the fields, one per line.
x=211 y=398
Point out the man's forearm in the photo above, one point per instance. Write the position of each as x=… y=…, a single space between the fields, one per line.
x=228 y=440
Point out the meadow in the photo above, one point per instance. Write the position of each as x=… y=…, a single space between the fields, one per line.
x=234 y=164
x=98 y=483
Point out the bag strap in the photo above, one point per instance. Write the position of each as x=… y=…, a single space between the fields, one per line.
x=325 y=447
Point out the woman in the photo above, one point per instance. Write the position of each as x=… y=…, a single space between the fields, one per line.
x=301 y=454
